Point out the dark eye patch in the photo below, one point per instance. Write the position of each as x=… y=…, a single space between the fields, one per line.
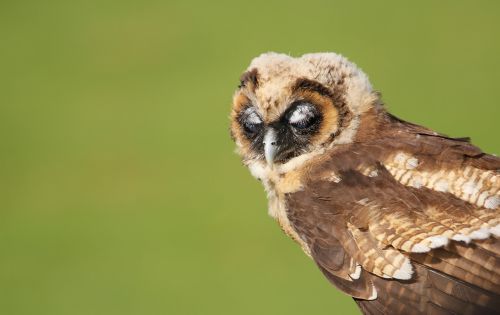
x=250 y=121
x=303 y=117
x=294 y=129
x=251 y=128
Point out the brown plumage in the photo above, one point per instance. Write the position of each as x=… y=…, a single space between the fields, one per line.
x=397 y=216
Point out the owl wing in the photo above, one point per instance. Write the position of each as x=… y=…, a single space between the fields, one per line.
x=407 y=233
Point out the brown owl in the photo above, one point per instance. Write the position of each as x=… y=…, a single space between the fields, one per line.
x=399 y=217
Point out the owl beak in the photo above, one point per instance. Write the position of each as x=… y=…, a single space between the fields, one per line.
x=270 y=145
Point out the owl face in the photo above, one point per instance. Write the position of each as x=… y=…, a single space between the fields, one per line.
x=283 y=138
x=286 y=107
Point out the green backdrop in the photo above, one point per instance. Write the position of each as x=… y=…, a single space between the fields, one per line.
x=120 y=192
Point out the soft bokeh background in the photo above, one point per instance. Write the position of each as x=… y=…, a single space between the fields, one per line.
x=119 y=189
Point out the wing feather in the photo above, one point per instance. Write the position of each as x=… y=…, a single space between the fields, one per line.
x=413 y=199
x=380 y=224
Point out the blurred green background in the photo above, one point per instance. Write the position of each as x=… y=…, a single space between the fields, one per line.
x=119 y=189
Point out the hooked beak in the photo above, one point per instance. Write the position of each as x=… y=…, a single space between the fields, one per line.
x=270 y=145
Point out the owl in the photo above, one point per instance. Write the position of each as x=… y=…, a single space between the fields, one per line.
x=401 y=218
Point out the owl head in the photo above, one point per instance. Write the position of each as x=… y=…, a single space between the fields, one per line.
x=286 y=108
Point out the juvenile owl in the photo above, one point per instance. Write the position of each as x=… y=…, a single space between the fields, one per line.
x=399 y=217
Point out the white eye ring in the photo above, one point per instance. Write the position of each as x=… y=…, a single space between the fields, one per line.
x=252 y=117
x=301 y=113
